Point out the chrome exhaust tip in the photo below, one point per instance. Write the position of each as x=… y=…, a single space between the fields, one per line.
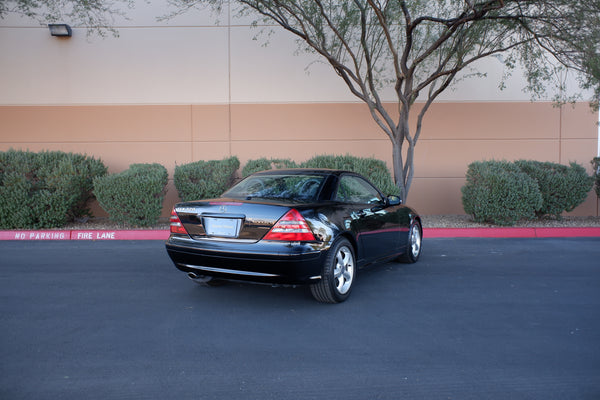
x=201 y=280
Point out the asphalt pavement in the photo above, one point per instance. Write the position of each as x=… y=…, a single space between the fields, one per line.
x=473 y=319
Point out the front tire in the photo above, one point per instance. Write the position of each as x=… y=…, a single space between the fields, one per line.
x=339 y=273
x=413 y=243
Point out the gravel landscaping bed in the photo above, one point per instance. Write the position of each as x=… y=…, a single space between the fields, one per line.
x=465 y=221
x=106 y=224
x=429 y=221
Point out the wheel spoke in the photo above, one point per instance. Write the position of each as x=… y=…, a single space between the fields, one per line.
x=347 y=275
x=347 y=260
x=338 y=271
x=415 y=241
x=343 y=272
x=340 y=276
x=340 y=259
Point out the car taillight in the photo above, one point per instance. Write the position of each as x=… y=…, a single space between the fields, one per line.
x=176 y=225
x=292 y=227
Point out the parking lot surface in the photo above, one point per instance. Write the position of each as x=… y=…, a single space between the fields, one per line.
x=473 y=319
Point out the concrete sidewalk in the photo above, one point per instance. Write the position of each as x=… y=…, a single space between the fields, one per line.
x=147 y=234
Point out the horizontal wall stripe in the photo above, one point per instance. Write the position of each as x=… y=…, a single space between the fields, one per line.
x=176 y=135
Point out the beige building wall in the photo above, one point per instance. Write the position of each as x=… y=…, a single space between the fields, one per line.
x=195 y=88
x=454 y=135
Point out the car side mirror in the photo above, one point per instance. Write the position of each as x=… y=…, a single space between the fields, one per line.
x=393 y=200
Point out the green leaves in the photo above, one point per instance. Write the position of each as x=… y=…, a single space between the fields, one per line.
x=134 y=196
x=46 y=189
x=373 y=169
x=502 y=193
x=596 y=165
x=417 y=49
x=205 y=179
x=97 y=16
x=562 y=187
x=498 y=192
x=263 y=164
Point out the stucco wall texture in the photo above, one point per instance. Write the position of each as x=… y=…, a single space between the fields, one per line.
x=454 y=134
x=199 y=87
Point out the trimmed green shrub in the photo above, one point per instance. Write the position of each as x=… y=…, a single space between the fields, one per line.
x=498 y=192
x=374 y=170
x=46 y=189
x=134 y=196
x=205 y=179
x=562 y=187
x=263 y=164
x=596 y=165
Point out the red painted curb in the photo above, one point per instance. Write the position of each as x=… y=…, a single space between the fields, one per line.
x=139 y=234
x=568 y=232
x=511 y=232
x=479 y=232
x=145 y=234
x=35 y=235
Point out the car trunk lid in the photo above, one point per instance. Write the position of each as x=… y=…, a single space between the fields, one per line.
x=224 y=219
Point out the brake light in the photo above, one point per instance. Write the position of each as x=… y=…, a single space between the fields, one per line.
x=292 y=227
x=176 y=225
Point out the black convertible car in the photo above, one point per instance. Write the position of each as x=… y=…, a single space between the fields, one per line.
x=294 y=226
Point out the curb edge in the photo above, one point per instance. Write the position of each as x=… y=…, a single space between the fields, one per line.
x=148 y=234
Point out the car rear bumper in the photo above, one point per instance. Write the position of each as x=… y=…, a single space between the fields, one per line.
x=262 y=262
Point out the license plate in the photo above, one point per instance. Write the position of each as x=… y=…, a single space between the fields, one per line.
x=222 y=227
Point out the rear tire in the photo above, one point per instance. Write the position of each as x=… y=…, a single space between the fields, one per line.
x=338 y=274
x=413 y=243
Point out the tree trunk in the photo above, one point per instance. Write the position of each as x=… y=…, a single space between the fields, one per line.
x=398 y=165
x=402 y=167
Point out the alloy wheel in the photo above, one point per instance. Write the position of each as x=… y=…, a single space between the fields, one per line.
x=343 y=271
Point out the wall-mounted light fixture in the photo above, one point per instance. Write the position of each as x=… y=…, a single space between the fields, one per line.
x=63 y=30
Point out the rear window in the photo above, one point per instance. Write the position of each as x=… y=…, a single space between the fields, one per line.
x=303 y=188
